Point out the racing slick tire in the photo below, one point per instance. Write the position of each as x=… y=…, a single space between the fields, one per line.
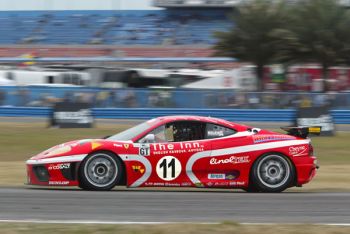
x=272 y=173
x=100 y=171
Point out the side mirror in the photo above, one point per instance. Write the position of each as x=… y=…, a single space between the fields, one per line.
x=149 y=138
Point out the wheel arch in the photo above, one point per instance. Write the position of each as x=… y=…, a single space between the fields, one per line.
x=268 y=153
x=124 y=178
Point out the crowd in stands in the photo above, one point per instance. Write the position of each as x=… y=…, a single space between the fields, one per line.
x=156 y=27
x=119 y=98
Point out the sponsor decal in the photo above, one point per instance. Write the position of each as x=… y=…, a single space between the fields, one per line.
x=199 y=184
x=298 y=150
x=230 y=160
x=186 y=184
x=218 y=184
x=237 y=183
x=58 y=182
x=118 y=145
x=167 y=184
x=215 y=133
x=266 y=138
x=144 y=150
x=59 y=166
x=230 y=176
x=182 y=147
x=210 y=184
x=138 y=168
x=216 y=176
x=95 y=145
x=158 y=184
x=126 y=146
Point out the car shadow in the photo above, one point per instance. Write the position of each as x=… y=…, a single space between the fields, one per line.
x=122 y=189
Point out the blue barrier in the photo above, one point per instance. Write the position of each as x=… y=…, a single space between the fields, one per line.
x=229 y=114
x=341 y=116
x=263 y=115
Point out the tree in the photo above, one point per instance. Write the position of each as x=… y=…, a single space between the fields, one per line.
x=319 y=33
x=252 y=36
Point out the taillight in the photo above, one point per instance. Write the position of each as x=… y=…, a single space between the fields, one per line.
x=311 y=150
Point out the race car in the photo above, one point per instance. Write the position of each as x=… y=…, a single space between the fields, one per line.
x=181 y=151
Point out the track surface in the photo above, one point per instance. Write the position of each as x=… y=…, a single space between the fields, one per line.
x=173 y=206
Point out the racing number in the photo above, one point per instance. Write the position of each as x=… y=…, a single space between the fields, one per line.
x=144 y=150
x=168 y=162
x=170 y=165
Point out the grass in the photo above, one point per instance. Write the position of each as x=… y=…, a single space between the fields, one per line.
x=20 y=141
x=225 y=227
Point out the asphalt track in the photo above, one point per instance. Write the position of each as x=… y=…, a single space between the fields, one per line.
x=133 y=205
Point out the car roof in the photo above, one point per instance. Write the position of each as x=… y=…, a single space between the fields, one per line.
x=165 y=119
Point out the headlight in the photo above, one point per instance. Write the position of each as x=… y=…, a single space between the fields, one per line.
x=59 y=150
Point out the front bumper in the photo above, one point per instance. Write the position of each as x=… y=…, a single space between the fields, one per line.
x=58 y=174
x=60 y=171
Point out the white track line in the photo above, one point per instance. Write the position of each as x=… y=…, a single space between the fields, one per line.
x=91 y=222
x=40 y=221
x=323 y=224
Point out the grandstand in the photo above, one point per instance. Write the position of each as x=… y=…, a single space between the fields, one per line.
x=124 y=27
x=60 y=28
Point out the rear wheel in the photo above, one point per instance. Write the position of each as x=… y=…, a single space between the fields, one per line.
x=100 y=171
x=272 y=173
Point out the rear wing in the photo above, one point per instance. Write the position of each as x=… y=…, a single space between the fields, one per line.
x=302 y=132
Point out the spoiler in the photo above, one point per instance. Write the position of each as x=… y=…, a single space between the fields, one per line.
x=302 y=132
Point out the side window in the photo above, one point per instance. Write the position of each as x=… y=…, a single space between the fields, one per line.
x=159 y=135
x=179 y=131
x=215 y=131
x=188 y=130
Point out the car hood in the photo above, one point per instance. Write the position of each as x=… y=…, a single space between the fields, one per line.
x=77 y=147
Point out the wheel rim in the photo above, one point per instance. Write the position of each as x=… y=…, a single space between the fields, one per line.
x=101 y=170
x=273 y=171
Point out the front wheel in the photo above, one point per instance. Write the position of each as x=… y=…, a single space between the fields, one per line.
x=272 y=173
x=100 y=171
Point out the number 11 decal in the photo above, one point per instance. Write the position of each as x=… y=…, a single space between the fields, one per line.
x=168 y=168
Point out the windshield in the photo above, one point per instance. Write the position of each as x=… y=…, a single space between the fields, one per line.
x=130 y=133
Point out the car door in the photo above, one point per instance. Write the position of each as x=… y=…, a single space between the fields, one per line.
x=229 y=162
x=171 y=155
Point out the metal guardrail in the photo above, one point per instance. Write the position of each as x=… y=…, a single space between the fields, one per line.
x=261 y=115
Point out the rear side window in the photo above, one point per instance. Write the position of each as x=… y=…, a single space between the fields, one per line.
x=215 y=131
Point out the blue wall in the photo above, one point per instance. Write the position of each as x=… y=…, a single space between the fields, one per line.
x=172 y=98
x=261 y=115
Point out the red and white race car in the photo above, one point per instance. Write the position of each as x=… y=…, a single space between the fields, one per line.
x=181 y=151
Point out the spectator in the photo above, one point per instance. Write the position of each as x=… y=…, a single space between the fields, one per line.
x=129 y=99
x=102 y=98
x=23 y=96
x=2 y=97
x=305 y=102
